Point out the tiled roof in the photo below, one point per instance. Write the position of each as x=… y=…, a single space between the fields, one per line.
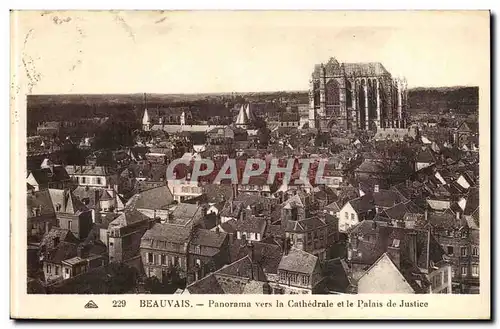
x=399 y=211
x=60 y=234
x=49 y=175
x=268 y=256
x=41 y=201
x=298 y=261
x=229 y=226
x=165 y=233
x=307 y=224
x=127 y=218
x=244 y=268
x=89 y=170
x=185 y=213
x=64 y=250
x=362 y=204
x=208 y=238
x=155 y=198
x=251 y=224
x=68 y=202
x=472 y=203
x=337 y=275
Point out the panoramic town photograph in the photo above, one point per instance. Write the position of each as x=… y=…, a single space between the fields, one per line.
x=281 y=158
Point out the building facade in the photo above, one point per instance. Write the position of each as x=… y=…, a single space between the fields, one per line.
x=354 y=96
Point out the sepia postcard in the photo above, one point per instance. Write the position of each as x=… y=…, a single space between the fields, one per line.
x=250 y=165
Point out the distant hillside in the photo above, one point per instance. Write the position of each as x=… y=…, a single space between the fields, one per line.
x=129 y=107
x=462 y=99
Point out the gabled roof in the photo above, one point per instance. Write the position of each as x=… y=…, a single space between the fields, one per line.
x=185 y=213
x=252 y=224
x=48 y=175
x=64 y=250
x=68 y=202
x=242 y=118
x=382 y=266
x=399 y=211
x=156 y=236
x=298 y=261
x=304 y=225
x=266 y=255
x=293 y=202
x=208 y=238
x=89 y=170
x=336 y=272
x=57 y=233
x=362 y=204
x=39 y=202
x=472 y=201
x=155 y=198
x=127 y=218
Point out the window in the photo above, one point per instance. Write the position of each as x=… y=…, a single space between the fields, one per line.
x=474 y=251
x=176 y=261
x=475 y=270
x=66 y=270
x=463 y=251
x=197 y=249
x=464 y=270
x=305 y=280
x=69 y=225
x=83 y=180
x=282 y=276
x=98 y=180
x=57 y=270
x=163 y=260
x=198 y=262
x=150 y=258
x=346 y=215
x=449 y=250
x=352 y=217
x=49 y=268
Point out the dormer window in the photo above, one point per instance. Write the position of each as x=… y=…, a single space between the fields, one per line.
x=58 y=207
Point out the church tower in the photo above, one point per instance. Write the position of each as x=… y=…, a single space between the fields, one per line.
x=146 y=121
x=242 y=120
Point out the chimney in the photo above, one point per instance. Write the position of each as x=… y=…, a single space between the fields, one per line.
x=457 y=215
x=426 y=215
x=82 y=251
x=395 y=255
x=412 y=247
x=286 y=246
x=250 y=250
x=65 y=199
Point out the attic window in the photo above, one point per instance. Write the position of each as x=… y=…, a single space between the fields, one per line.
x=58 y=207
x=395 y=243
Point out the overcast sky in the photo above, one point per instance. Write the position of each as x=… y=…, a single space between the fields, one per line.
x=189 y=52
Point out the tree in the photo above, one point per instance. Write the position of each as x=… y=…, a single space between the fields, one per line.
x=264 y=135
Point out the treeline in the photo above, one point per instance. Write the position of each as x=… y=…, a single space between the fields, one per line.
x=463 y=100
